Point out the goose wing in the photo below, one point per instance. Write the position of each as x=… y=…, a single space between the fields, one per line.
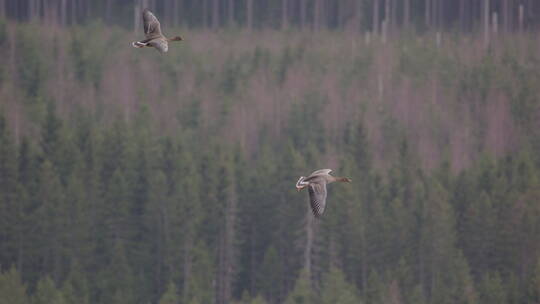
x=160 y=44
x=317 y=198
x=316 y=174
x=321 y=172
x=152 y=28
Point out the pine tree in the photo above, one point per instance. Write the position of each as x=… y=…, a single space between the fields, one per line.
x=302 y=292
x=47 y=293
x=10 y=211
x=198 y=288
x=76 y=288
x=269 y=274
x=170 y=296
x=335 y=289
x=12 y=289
x=50 y=219
x=492 y=289
x=534 y=284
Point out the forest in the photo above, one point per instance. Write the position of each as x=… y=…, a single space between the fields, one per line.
x=128 y=176
x=351 y=15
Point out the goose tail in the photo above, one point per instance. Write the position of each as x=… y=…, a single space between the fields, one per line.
x=300 y=184
x=138 y=44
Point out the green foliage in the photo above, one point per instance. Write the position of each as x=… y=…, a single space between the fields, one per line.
x=302 y=292
x=12 y=289
x=492 y=289
x=170 y=179
x=32 y=70
x=336 y=289
x=47 y=293
x=170 y=296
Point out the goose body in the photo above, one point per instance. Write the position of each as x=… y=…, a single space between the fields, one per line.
x=316 y=183
x=154 y=36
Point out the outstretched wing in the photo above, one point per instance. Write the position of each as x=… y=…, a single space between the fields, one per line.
x=152 y=28
x=317 y=173
x=160 y=44
x=321 y=172
x=317 y=198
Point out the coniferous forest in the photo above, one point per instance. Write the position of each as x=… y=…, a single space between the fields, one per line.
x=129 y=176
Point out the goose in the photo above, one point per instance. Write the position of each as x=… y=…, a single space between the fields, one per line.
x=316 y=183
x=154 y=37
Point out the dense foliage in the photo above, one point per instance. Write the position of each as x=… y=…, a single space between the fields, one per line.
x=130 y=177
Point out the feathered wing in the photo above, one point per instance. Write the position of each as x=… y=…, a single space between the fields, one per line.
x=160 y=44
x=317 y=198
x=317 y=173
x=152 y=28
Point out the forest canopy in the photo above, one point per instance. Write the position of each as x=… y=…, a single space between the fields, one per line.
x=127 y=176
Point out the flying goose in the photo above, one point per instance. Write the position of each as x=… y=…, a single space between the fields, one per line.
x=154 y=37
x=316 y=183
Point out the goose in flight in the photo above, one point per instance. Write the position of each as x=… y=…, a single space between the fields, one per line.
x=316 y=183
x=154 y=37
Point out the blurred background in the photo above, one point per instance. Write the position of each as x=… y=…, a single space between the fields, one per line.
x=128 y=176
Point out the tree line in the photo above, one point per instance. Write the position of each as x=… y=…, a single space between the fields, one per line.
x=131 y=177
x=356 y=15
x=120 y=214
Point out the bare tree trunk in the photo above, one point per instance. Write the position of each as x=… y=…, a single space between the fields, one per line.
x=215 y=14
x=317 y=15
x=521 y=15
x=495 y=23
x=309 y=242
x=252 y=278
x=205 y=13
x=363 y=254
x=505 y=15
x=284 y=14
x=108 y=10
x=359 y=10
x=393 y=14
x=462 y=15
x=188 y=244
x=249 y=11
x=226 y=249
x=343 y=8
x=428 y=13
x=485 y=19
x=406 y=13
x=63 y=13
x=137 y=17
x=230 y=12
x=375 y=26
x=73 y=18
x=303 y=13
x=387 y=12
x=434 y=10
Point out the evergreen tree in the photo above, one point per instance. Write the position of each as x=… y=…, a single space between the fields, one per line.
x=47 y=293
x=269 y=275
x=76 y=288
x=10 y=211
x=170 y=296
x=302 y=292
x=492 y=289
x=335 y=289
x=50 y=219
x=12 y=289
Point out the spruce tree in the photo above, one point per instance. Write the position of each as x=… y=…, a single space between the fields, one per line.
x=170 y=296
x=335 y=289
x=47 y=293
x=12 y=289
